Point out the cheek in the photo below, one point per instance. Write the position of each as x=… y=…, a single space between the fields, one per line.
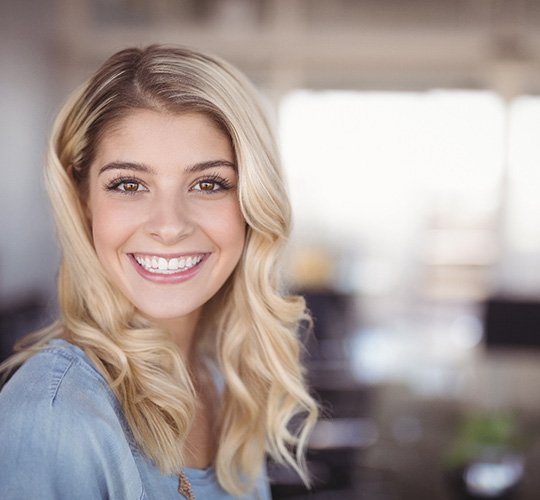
x=110 y=227
x=227 y=229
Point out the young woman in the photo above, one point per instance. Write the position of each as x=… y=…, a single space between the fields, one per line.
x=174 y=368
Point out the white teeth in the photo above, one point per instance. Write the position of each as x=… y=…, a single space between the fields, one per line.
x=160 y=265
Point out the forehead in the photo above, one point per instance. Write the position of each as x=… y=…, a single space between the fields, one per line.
x=149 y=136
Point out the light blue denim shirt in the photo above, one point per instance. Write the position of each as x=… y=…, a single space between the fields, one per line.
x=63 y=436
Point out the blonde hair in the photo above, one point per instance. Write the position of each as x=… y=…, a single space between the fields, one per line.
x=250 y=326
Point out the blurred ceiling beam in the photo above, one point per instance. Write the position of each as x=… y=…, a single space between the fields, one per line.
x=463 y=42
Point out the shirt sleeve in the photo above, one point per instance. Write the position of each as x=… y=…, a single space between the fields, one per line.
x=60 y=437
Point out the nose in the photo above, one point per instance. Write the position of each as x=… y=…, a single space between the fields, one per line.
x=169 y=220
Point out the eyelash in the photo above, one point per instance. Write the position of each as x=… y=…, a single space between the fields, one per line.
x=115 y=184
x=223 y=184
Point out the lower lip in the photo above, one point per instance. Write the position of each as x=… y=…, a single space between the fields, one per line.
x=167 y=279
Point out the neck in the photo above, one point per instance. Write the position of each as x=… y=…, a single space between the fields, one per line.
x=183 y=331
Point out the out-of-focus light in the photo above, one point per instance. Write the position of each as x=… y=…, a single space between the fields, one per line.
x=491 y=480
x=428 y=359
x=367 y=170
x=465 y=331
x=524 y=159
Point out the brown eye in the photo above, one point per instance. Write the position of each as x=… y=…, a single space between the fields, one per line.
x=207 y=186
x=212 y=185
x=130 y=187
x=126 y=186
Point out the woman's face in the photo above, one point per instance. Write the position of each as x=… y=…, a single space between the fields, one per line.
x=164 y=210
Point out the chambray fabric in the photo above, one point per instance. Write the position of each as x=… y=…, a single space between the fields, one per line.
x=63 y=436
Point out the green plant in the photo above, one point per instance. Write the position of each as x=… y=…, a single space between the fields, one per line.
x=482 y=434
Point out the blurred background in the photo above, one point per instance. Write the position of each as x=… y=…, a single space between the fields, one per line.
x=409 y=132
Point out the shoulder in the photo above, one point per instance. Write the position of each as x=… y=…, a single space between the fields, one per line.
x=57 y=380
x=61 y=427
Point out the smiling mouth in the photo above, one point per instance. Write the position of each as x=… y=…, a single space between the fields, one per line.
x=160 y=265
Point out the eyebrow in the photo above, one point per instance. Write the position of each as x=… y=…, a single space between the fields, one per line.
x=141 y=167
x=205 y=165
x=126 y=165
